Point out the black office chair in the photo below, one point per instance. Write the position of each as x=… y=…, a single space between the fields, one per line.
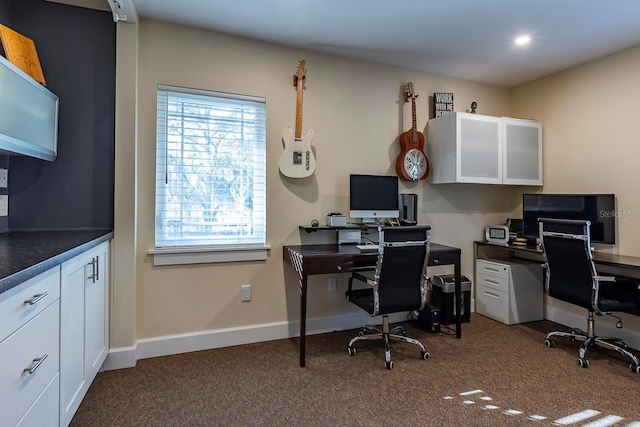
x=397 y=284
x=571 y=277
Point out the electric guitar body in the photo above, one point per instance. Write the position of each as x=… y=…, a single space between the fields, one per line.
x=297 y=160
x=412 y=163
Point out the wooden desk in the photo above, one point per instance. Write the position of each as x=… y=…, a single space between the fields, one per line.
x=622 y=263
x=332 y=258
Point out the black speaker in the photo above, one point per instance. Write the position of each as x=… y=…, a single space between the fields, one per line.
x=408 y=208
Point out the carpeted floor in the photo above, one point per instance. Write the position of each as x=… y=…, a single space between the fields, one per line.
x=496 y=375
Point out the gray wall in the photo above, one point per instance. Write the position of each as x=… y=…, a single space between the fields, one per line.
x=76 y=49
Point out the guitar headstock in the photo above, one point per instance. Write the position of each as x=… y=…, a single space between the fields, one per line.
x=301 y=70
x=409 y=92
x=299 y=75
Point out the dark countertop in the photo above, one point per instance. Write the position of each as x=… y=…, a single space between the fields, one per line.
x=25 y=254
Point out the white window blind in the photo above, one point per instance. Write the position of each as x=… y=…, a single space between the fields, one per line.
x=210 y=169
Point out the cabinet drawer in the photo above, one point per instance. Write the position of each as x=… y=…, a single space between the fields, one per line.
x=44 y=412
x=492 y=268
x=493 y=282
x=19 y=387
x=337 y=267
x=492 y=303
x=22 y=303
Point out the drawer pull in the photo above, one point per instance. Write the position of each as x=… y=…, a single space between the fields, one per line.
x=36 y=364
x=491 y=294
x=494 y=269
x=493 y=282
x=37 y=297
x=339 y=267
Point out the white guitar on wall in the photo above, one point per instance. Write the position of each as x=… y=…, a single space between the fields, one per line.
x=297 y=160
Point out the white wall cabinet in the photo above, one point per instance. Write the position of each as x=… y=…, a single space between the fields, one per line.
x=29 y=351
x=84 y=337
x=508 y=291
x=480 y=149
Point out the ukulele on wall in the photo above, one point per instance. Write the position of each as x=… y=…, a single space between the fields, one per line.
x=297 y=160
x=412 y=163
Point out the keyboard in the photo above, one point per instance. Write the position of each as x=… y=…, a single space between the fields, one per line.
x=368 y=248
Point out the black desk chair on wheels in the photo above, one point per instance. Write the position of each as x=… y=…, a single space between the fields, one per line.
x=397 y=284
x=571 y=277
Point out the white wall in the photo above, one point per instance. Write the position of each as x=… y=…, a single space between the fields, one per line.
x=357 y=111
x=591 y=126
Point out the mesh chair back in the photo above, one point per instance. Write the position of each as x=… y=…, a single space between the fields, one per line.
x=405 y=252
x=570 y=270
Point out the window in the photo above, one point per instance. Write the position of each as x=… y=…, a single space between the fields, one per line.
x=210 y=176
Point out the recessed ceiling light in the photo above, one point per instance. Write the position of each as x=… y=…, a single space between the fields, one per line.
x=523 y=40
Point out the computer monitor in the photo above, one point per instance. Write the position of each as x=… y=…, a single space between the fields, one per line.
x=597 y=208
x=372 y=197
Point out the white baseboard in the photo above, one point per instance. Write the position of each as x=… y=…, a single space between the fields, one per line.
x=126 y=357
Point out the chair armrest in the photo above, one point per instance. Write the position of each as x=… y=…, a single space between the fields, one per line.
x=362 y=278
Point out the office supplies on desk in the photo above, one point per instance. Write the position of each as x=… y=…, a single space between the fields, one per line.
x=571 y=277
x=336 y=219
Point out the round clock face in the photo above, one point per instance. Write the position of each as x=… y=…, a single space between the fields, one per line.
x=415 y=164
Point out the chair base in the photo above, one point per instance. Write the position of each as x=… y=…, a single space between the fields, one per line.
x=589 y=339
x=371 y=332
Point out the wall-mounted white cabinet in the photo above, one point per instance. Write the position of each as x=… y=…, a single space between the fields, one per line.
x=28 y=115
x=480 y=149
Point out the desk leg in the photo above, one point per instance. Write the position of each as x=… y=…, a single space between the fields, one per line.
x=303 y=318
x=458 y=294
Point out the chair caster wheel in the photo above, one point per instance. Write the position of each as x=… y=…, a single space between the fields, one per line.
x=351 y=351
x=549 y=343
x=389 y=364
x=583 y=362
x=425 y=355
x=634 y=368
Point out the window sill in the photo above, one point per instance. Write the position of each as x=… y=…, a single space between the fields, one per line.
x=206 y=255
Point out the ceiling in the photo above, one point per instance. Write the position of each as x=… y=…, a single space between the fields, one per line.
x=465 y=39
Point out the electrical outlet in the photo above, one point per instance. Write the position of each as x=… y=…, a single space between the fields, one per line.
x=333 y=283
x=4 y=205
x=245 y=293
x=3 y=178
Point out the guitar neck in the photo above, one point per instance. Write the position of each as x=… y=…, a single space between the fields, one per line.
x=414 y=126
x=298 y=130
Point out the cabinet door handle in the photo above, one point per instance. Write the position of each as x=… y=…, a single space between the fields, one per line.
x=36 y=364
x=94 y=270
x=37 y=297
x=97 y=267
x=339 y=267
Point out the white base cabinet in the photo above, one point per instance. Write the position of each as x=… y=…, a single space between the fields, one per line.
x=84 y=338
x=29 y=351
x=509 y=292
